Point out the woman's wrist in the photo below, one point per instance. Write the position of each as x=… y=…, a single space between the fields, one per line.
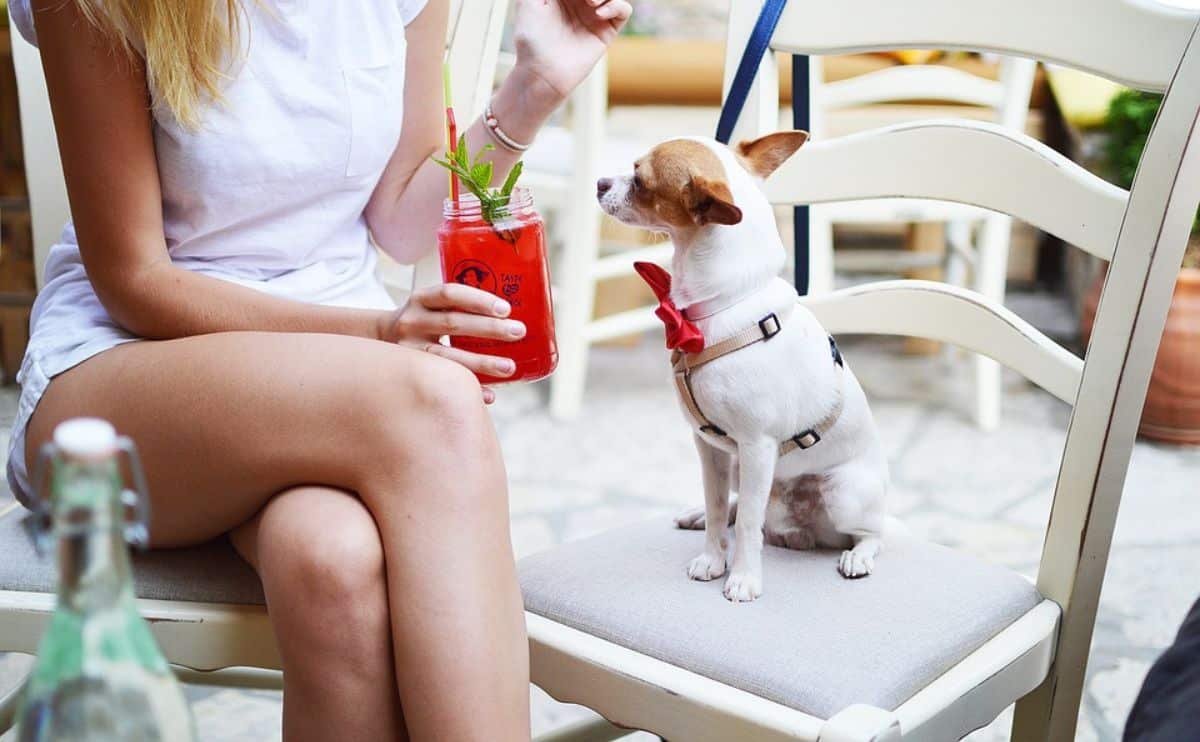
x=523 y=103
x=381 y=327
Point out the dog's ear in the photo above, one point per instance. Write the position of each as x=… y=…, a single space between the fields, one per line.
x=710 y=202
x=763 y=155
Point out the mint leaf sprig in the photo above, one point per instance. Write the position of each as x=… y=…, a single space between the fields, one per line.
x=476 y=176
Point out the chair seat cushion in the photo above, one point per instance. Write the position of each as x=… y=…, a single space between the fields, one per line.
x=209 y=573
x=814 y=641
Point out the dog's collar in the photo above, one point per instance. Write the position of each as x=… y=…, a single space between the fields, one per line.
x=710 y=308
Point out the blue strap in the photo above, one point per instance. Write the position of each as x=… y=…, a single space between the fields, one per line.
x=756 y=48
x=801 y=119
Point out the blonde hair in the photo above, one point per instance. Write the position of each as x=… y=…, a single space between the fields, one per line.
x=186 y=44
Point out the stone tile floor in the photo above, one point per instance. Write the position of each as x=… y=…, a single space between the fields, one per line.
x=628 y=457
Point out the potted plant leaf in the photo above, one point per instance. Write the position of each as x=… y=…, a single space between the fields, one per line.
x=1172 y=411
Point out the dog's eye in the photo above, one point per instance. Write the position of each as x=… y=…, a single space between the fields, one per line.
x=637 y=182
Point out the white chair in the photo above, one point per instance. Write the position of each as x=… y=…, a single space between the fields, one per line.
x=987 y=254
x=934 y=644
x=205 y=605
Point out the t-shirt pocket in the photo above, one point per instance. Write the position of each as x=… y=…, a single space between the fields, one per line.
x=373 y=71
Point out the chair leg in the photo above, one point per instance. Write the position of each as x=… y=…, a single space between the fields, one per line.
x=1031 y=722
x=820 y=252
x=581 y=247
x=988 y=382
x=925 y=237
x=958 y=247
x=590 y=730
x=576 y=299
x=990 y=275
x=9 y=702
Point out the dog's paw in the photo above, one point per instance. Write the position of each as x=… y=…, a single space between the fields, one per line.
x=743 y=587
x=691 y=520
x=707 y=567
x=854 y=564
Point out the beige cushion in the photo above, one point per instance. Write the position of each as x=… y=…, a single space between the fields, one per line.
x=815 y=641
x=210 y=573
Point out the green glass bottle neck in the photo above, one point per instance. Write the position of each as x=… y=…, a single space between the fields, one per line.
x=89 y=523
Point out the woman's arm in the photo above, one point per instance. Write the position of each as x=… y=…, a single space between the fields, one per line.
x=558 y=42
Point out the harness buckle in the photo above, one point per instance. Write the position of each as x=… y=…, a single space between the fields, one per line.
x=769 y=326
x=807 y=439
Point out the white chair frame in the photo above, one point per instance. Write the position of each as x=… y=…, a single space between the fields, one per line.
x=1039 y=661
x=208 y=643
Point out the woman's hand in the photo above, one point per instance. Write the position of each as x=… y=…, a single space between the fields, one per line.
x=559 y=41
x=454 y=309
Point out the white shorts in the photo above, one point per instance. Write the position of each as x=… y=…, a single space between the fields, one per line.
x=69 y=325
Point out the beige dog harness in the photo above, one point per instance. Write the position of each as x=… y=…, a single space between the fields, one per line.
x=684 y=364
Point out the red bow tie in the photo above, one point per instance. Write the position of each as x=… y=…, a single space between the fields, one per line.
x=682 y=333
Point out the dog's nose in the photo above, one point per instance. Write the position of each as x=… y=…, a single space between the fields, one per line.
x=602 y=186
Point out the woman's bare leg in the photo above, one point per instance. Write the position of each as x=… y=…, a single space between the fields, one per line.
x=224 y=421
x=318 y=553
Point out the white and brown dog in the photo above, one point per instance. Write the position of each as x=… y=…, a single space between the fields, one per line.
x=778 y=415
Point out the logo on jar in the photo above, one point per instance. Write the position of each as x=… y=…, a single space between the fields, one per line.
x=475 y=274
x=512 y=286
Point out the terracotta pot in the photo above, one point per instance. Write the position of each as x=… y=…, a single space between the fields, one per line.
x=1172 y=411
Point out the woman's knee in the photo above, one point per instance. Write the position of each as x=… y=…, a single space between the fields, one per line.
x=321 y=560
x=445 y=406
x=446 y=390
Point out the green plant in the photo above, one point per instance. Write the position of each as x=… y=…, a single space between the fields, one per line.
x=1130 y=117
x=475 y=174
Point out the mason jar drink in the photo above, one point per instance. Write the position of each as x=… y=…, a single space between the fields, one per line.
x=507 y=258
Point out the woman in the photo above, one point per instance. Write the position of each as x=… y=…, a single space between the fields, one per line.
x=216 y=299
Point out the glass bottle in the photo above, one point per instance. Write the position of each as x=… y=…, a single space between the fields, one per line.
x=99 y=674
x=508 y=259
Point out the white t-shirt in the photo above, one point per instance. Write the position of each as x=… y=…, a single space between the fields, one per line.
x=268 y=192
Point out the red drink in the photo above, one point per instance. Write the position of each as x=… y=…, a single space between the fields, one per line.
x=508 y=259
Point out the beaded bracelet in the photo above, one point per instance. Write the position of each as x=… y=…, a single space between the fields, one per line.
x=504 y=140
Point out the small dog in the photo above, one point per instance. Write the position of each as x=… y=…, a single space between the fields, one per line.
x=777 y=414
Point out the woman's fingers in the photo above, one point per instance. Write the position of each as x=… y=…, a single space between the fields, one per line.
x=454 y=309
x=435 y=324
x=476 y=362
x=463 y=298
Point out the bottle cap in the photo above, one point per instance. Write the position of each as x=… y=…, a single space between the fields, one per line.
x=87 y=438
